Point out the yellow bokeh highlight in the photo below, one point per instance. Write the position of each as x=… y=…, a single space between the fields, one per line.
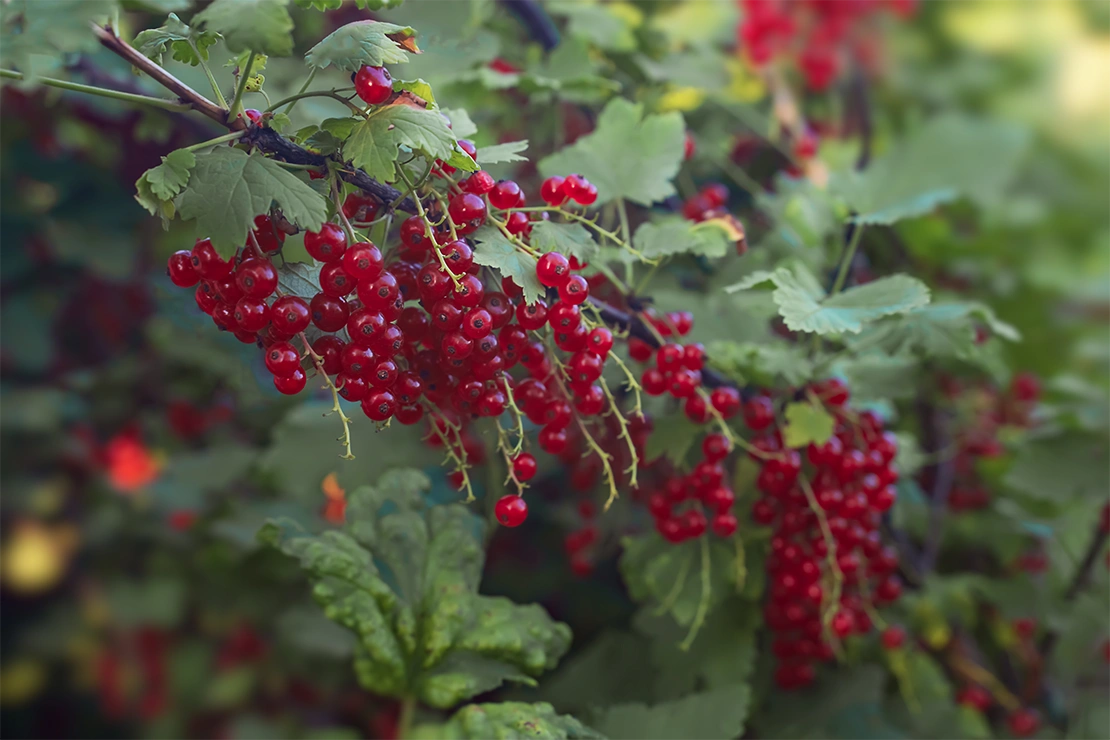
x=681 y=99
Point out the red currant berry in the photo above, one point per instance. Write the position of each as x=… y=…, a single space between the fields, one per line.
x=379 y=405
x=532 y=316
x=653 y=382
x=373 y=84
x=759 y=413
x=328 y=314
x=639 y=350
x=715 y=447
x=469 y=292
x=975 y=697
x=1024 y=722
x=329 y=348
x=363 y=261
x=576 y=187
x=207 y=262
x=552 y=191
x=357 y=360
x=334 y=280
x=256 y=278
x=574 y=290
x=893 y=637
x=505 y=194
x=365 y=325
x=290 y=315
x=553 y=270
x=326 y=245
x=180 y=269
x=351 y=387
x=552 y=440
x=468 y=211
x=479 y=183
x=724 y=525
x=524 y=467
x=282 y=359
x=457 y=345
x=519 y=223
x=458 y=256
x=291 y=384
x=414 y=233
x=380 y=293
x=600 y=341
x=267 y=234
x=477 y=323
x=511 y=511
x=252 y=314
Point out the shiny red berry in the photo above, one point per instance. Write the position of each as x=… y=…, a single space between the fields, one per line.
x=328 y=314
x=379 y=405
x=893 y=637
x=363 y=261
x=207 y=262
x=326 y=245
x=1024 y=722
x=575 y=290
x=468 y=211
x=552 y=191
x=511 y=511
x=180 y=269
x=524 y=467
x=291 y=384
x=505 y=194
x=256 y=278
x=373 y=84
x=282 y=358
x=479 y=183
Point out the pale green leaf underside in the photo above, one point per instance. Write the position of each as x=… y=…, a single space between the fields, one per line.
x=360 y=43
x=665 y=238
x=569 y=239
x=805 y=423
x=502 y=153
x=373 y=143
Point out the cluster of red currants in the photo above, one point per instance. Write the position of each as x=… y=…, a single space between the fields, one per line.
x=987 y=411
x=822 y=34
x=828 y=565
x=687 y=506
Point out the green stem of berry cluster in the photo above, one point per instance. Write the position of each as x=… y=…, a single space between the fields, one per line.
x=234 y=135
x=428 y=232
x=506 y=452
x=614 y=409
x=336 y=408
x=220 y=99
x=833 y=602
x=704 y=599
x=459 y=458
x=332 y=94
x=517 y=416
x=846 y=261
x=165 y=104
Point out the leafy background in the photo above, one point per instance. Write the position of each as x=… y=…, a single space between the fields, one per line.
x=989 y=182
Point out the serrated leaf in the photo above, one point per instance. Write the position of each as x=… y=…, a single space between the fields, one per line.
x=947 y=158
x=571 y=239
x=185 y=44
x=502 y=153
x=496 y=251
x=718 y=713
x=262 y=26
x=939 y=330
x=461 y=125
x=628 y=155
x=419 y=88
x=805 y=423
x=167 y=179
x=668 y=237
x=509 y=720
x=423 y=630
x=874 y=377
x=228 y=188
x=373 y=143
x=461 y=160
x=804 y=305
x=360 y=43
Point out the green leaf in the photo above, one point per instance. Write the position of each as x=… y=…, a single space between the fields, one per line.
x=675 y=577
x=496 y=251
x=35 y=36
x=501 y=153
x=186 y=44
x=875 y=377
x=163 y=182
x=1060 y=468
x=628 y=155
x=937 y=330
x=158 y=602
x=718 y=713
x=847 y=708
x=229 y=188
x=360 y=43
x=419 y=88
x=807 y=422
x=677 y=236
x=598 y=23
x=764 y=363
x=613 y=668
x=404 y=579
x=672 y=438
x=262 y=26
x=949 y=157
x=804 y=305
x=569 y=239
x=723 y=655
x=508 y=720
x=373 y=143
x=461 y=125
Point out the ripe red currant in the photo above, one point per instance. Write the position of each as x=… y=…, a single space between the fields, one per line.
x=553 y=270
x=505 y=194
x=326 y=245
x=467 y=211
x=363 y=261
x=207 y=262
x=511 y=511
x=552 y=191
x=291 y=384
x=180 y=269
x=373 y=84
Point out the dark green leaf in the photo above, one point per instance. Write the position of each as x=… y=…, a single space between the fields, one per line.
x=404 y=580
x=228 y=188
x=186 y=44
x=508 y=720
x=665 y=238
x=718 y=713
x=373 y=143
